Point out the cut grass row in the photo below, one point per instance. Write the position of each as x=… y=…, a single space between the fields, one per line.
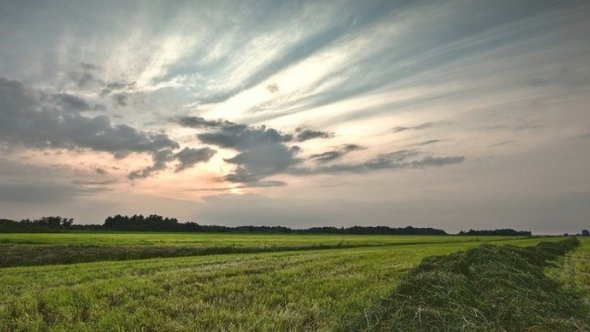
x=488 y=288
x=574 y=269
x=228 y=239
x=41 y=249
x=305 y=290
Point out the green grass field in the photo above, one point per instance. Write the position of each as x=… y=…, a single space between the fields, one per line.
x=574 y=269
x=20 y=249
x=292 y=290
x=224 y=239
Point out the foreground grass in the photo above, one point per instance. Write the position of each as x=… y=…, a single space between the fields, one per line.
x=487 y=288
x=21 y=249
x=574 y=269
x=305 y=290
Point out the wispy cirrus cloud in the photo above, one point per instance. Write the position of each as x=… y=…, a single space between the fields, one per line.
x=279 y=97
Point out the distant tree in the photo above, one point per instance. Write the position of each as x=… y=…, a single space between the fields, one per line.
x=585 y=233
x=501 y=232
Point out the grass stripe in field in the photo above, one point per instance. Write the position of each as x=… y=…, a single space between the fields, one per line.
x=67 y=248
x=305 y=290
x=146 y=238
x=487 y=288
x=574 y=269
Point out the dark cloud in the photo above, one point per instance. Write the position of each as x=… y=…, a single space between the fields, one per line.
x=422 y=126
x=120 y=99
x=188 y=157
x=86 y=76
x=307 y=134
x=258 y=184
x=402 y=159
x=243 y=137
x=101 y=171
x=116 y=86
x=89 y=66
x=501 y=143
x=94 y=182
x=26 y=122
x=266 y=160
x=42 y=192
x=198 y=122
x=432 y=141
x=120 y=85
x=334 y=154
x=263 y=151
x=71 y=102
x=160 y=158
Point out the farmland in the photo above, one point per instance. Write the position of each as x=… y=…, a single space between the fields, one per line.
x=574 y=269
x=313 y=289
x=59 y=248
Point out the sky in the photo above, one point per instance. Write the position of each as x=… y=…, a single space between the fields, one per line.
x=447 y=114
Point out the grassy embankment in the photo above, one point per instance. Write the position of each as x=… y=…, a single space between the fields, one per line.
x=22 y=249
x=304 y=290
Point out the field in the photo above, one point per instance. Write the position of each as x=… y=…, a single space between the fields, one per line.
x=58 y=248
x=574 y=269
x=336 y=282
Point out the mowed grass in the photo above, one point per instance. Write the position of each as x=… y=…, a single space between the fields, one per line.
x=487 y=288
x=574 y=269
x=235 y=239
x=21 y=249
x=297 y=290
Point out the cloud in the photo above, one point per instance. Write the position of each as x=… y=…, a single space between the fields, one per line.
x=422 y=126
x=307 y=134
x=120 y=99
x=89 y=66
x=334 y=154
x=42 y=192
x=188 y=157
x=432 y=141
x=101 y=171
x=403 y=159
x=72 y=102
x=258 y=184
x=199 y=122
x=273 y=88
x=263 y=151
x=243 y=137
x=24 y=121
x=257 y=163
x=160 y=158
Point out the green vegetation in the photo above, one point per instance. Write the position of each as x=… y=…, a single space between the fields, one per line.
x=574 y=269
x=487 y=288
x=20 y=249
x=294 y=290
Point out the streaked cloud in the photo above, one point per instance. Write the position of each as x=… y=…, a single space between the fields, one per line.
x=309 y=99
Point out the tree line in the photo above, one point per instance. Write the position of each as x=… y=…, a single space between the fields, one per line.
x=503 y=232
x=157 y=223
